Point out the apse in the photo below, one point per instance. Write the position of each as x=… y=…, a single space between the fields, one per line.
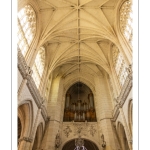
x=79 y=104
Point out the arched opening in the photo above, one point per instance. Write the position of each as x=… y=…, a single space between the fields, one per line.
x=38 y=137
x=24 y=120
x=88 y=145
x=79 y=104
x=122 y=137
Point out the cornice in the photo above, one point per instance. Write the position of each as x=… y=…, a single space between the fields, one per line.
x=26 y=73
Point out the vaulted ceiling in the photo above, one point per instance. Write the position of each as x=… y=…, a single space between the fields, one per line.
x=77 y=35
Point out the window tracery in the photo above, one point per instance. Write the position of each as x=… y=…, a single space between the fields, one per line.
x=126 y=20
x=120 y=66
x=38 y=66
x=26 y=28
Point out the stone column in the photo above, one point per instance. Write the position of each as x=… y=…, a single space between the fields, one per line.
x=104 y=114
x=24 y=143
x=34 y=129
x=127 y=131
x=48 y=142
x=54 y=108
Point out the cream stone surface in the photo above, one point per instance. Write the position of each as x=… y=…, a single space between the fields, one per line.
x=81 y=41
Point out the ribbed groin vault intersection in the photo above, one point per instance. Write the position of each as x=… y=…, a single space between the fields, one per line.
x=74 y=74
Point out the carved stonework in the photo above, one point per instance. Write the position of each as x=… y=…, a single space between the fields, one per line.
x=57 y=140
x=92 y=130
x=26 y=73
x=123 y=94
x=80 y=128
x=67 y=130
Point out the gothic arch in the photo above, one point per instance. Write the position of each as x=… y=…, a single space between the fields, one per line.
x=25 y=118
x=34 y=44
x=123 y=42
x=79 y=104
x=122 y=136
x=74 y=80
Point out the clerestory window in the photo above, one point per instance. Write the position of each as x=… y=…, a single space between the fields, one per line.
x=38 y=66
x=26 y=28
x=126 y=20
x=120 y=66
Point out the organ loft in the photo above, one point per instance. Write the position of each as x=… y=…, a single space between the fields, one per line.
x=79 y=105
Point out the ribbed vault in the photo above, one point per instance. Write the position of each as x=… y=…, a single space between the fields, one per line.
x=77 y=34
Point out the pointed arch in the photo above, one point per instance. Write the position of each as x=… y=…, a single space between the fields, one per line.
x=25 y=118
x=126 y=20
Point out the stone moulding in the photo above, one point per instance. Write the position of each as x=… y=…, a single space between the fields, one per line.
x=125 y=90
x=27 y=139
x=26 y=73
x=123 y=95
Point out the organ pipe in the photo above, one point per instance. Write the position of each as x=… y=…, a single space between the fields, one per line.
x=79 y=110
x=68 y=97
x=91 y=102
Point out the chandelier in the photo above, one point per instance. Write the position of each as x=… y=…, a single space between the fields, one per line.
x=79 y=143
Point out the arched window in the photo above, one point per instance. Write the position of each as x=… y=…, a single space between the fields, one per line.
x=26 y=28
x=119 y=64
x=126 y=20
x=38 y=66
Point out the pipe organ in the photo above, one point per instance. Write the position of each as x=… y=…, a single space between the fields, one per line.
x=79 y=110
